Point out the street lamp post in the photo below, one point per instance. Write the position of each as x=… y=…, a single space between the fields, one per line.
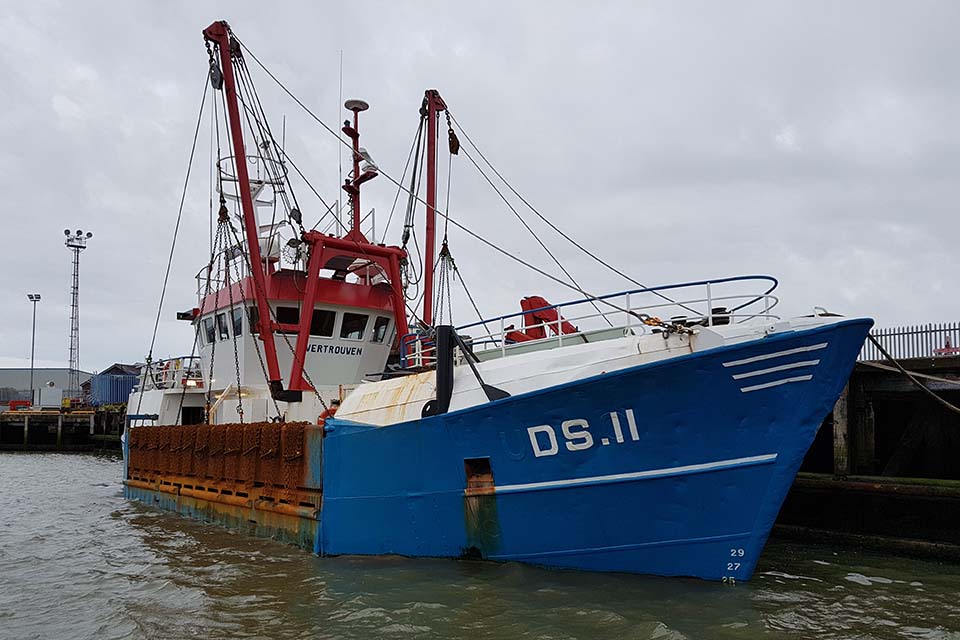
x=34 y=298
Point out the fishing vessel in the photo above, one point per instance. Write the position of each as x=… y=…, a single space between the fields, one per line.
x=655 y=429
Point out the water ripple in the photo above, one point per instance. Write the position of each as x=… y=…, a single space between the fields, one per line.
x=78 y=561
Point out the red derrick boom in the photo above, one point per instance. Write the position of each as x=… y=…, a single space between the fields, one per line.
x=325 y=251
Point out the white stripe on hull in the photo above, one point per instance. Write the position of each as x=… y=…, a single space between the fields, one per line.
x=776 y=354
x=775 y=383
x=639 y=475
x=783 y=367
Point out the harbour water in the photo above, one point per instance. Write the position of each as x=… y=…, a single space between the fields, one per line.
x=79 y=561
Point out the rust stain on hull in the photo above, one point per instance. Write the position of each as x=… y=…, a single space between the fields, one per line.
x=480 y=509
x=258 y=519
x=257 y=472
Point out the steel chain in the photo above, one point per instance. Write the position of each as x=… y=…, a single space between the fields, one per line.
x=233 y=333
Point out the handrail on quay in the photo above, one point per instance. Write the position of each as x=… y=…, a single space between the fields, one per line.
x=916 y=341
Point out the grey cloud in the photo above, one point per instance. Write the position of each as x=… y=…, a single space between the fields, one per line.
x=816 y=141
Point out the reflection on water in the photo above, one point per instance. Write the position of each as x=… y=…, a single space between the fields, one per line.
x=78 y=561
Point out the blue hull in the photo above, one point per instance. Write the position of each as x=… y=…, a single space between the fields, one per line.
x=675 y=468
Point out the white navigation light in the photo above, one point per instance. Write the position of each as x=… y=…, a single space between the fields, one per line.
x=368 y=159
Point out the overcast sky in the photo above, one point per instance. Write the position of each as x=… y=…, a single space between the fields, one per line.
x=818 y=142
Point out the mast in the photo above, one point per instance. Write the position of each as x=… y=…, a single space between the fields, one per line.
x=219 y=33
x=352 y=185
x=356 y=108
x=432 y=104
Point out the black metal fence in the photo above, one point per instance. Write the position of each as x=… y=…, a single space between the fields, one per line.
x=919 y=341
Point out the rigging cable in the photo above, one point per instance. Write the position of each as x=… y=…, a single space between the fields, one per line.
x=457 y=274
x=320 y=219
x=337 y=220
x=553 y=226
x=443 y=284
x=176 y=228
x=232 y=330
x=396 y=198
x=176 y=232
x=408 y=268
x=260 y=115
x=254 y=338
x=445 y=263
x=273 y=317
x=530 y=229
x=240 y=247
x=220 y=239
x=271 y=167
x=275 y=181
x=454 y=149
x=229 y=251
x=196 y=341
x=197 y=320
x=454 y=222
x=446 y=207
x=339 y=150
x=213 y=115
x=270 y=145
x=329 y=208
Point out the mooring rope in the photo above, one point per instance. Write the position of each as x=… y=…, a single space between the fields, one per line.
x=912 y=377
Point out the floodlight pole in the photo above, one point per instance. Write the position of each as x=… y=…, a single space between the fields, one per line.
x=76 y=243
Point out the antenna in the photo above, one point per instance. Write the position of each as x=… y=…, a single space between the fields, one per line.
x=76 y=242
x=339 y=147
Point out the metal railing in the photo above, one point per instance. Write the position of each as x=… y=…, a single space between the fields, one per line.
x=210 y=281
x=917 y=341
x=172 y=373
x=702 y=303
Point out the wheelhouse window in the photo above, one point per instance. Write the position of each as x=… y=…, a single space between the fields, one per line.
x=209 y=330
x=380 y=329
x=223 y=329
x=237 y=315
x=354 y=324
x=322 y=323
x=288 y=315
x=253 y=315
